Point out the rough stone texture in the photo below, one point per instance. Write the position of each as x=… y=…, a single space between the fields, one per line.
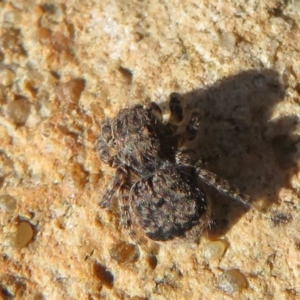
x=67 y=65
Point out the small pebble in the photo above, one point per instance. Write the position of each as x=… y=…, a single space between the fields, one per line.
x=19 y=111
x=76 y=177
x=13 y=17
x=228 y=40
x=70 y=91
x=6 y=165
x=8 y=203
x=24 y=235
x=215 y=250
x=232 y=281
x=7 y=77
x=124 y=252
x=10 y=41
x=43 y=35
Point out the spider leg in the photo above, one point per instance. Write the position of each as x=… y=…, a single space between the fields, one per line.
x=176 y=108
x=223 y=186
x=120 y=177
x=124 y=208
x=186 y=157
x=156 y=110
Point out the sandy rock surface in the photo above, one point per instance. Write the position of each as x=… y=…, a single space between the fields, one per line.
x=65 y=66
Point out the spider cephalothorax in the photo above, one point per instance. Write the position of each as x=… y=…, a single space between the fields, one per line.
x=138 y=139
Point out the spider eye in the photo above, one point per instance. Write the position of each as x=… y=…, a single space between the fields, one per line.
x=106 y=132
x=148 y=129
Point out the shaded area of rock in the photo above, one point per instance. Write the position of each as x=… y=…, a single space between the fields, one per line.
x=104 y=275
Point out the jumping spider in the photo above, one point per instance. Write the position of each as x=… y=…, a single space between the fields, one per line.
x=157 y=178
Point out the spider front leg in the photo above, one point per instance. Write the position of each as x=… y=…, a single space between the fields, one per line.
x=177 y=116
x=121 y=176
x=222 y=185
x=156 y=110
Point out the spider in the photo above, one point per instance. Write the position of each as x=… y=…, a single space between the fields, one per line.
x=157 y=178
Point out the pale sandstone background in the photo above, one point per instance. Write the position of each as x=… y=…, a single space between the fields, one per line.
x=66 y=65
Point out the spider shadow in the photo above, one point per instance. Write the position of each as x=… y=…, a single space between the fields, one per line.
x=241 y=141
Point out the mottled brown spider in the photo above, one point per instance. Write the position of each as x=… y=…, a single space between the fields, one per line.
x=157 y=178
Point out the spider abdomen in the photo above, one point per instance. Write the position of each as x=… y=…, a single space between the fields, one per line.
x=168 y=203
